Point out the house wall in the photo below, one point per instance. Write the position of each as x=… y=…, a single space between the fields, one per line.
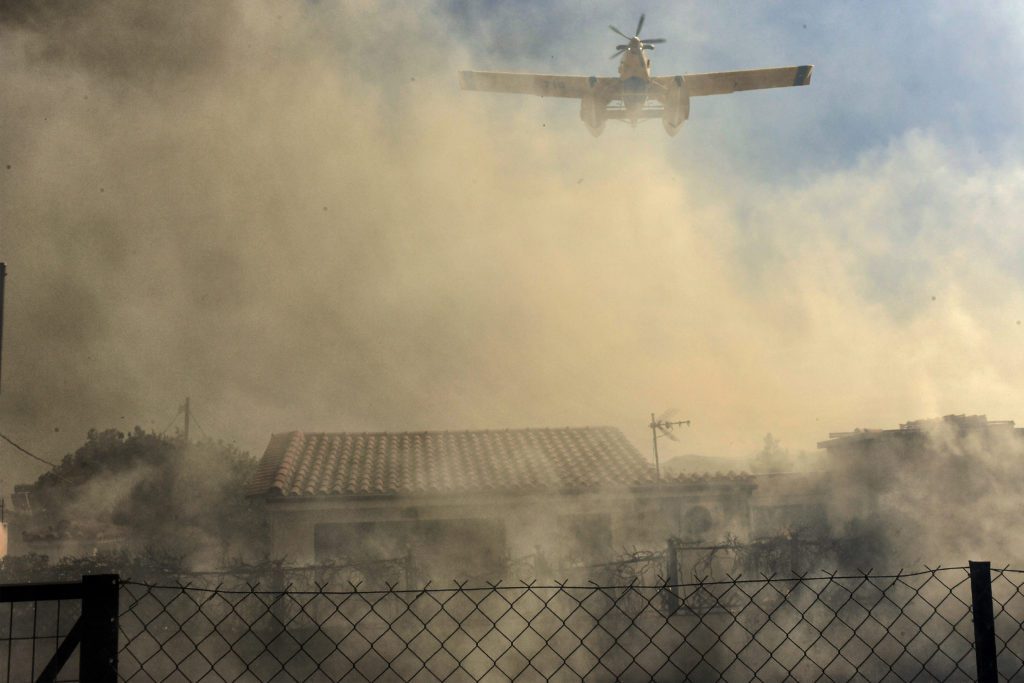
x=477 y=536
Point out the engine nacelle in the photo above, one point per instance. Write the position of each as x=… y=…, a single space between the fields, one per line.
x=676 y=106
x=592 y=114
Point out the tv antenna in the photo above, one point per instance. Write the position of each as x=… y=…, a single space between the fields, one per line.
x=662 y=427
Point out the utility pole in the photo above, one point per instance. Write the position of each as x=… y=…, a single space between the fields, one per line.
x=659 y=428
x=187 y=418
x=3 y=278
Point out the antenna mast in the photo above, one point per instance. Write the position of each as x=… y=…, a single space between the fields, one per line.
x=659 y=428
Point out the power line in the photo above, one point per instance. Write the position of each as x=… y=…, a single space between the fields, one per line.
x=27 y=452
x=199 y=425
x=173 y=420
x=189 y=412
x=216 y=426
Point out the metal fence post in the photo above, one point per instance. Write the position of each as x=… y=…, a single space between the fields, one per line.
x=984 y=622
x=98 y=654
x=672 y=578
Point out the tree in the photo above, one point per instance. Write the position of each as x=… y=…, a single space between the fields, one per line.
x=156 y=492
x=772 y=457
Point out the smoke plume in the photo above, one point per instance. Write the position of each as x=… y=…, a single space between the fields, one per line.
x=292 y=214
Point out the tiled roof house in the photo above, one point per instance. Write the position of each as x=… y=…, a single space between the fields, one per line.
x=473 y=500
x=448 y=463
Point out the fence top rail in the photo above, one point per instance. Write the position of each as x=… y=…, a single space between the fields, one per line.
x=243 y=570
x=462 y=587
x=39 y=592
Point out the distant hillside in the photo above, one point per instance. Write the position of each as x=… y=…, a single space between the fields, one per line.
x=691 y=462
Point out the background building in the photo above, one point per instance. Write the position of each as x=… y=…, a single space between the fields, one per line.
x=875 y=464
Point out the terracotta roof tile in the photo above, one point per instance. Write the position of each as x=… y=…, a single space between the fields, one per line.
x=299 y=464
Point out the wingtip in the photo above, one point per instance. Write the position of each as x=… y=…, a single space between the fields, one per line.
x=803 y=74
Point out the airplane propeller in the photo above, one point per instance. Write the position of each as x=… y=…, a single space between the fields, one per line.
x=618 y=31
x=644 y=44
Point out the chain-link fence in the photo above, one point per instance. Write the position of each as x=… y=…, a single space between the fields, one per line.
x=904 y=627
x=964 y=623
x=1008 y=608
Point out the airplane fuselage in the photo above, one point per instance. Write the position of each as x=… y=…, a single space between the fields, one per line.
x=635 y=75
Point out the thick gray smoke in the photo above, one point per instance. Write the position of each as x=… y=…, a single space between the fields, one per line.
x=291 y=213
x=949 y=496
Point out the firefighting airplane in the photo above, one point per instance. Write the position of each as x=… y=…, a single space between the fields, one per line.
x=636 y=94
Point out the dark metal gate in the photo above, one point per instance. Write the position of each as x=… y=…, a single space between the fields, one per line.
x=42 y=625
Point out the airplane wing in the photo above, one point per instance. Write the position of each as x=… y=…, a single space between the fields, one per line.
x=724 y=82
x=533 y=84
